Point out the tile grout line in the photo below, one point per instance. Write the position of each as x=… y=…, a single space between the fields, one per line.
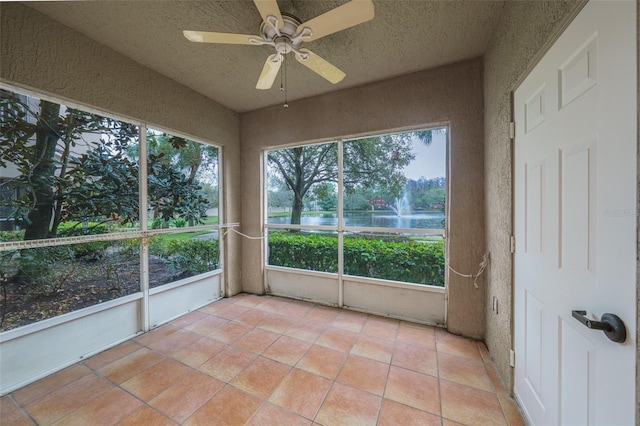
x=144 y=403
x=435 y=341
x=23 y=409
x=386 y=381
x=484 y=364
x=264 y=401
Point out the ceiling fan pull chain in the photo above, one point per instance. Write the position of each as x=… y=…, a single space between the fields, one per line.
x=286 y=104
x=282 y=77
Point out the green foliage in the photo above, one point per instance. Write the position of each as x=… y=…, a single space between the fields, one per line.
x=179 y=222
x=414 y=262
x=75 y=166
x=427 y=194
x=389 y=258
x=91 y=251
x=9 y=264
x=87 y=251
x=11 y=235
x=103 y=182
x=131 y=248
x=74 y=229
x=46 y=177
x=158 y=246
x=157 y=223
x=303 y=251
x=189 y=256
x=377 y=161
x=367 y=162
x=172 y=194
x=46 y=269
x=326 y=196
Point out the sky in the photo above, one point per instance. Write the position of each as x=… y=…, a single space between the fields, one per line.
x=430 y=161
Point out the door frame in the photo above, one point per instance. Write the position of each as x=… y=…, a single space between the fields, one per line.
x=523 y=76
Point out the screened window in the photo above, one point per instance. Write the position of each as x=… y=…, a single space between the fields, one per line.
x=71 y=218
x=382 y=200
x=182 y=185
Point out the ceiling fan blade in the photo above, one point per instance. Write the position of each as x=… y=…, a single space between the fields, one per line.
x=224 y=38
x=342 y=17
x=269 y=8
x=269 y=72
x=323 y=68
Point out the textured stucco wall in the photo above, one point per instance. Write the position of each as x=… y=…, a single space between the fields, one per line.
x=40 y=54
x=450 y=94
x=523 y=32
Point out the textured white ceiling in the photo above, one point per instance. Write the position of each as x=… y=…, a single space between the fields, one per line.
x=405 y=36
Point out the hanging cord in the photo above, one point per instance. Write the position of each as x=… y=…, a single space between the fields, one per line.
x=284 y=58
x=241 y=234
x=282 y=77
x=483 y=265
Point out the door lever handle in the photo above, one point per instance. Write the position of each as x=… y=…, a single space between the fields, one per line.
x=611 y=324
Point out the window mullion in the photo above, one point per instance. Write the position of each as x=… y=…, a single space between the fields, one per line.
x=340 y=225
x=144 y=241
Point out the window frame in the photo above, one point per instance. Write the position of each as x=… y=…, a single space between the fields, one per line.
x=142 y=234
x=340 y=228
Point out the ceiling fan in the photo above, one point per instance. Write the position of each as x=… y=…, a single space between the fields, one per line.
x=286 y=33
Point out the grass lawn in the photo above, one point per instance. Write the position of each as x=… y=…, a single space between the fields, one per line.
x=211 y=220
x=181 y=236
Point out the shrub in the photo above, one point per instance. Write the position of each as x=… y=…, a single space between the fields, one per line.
x=414 y=262
x=392 y=258
x=158 y=246
x=11 y=235
x=47 y=269
x=313 y=252
x=90 y=251
x=158 y=223
x=192 y=256
x=179 y=222
x=74 y=229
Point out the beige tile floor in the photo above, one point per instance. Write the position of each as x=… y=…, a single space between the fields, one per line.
x=271 y=361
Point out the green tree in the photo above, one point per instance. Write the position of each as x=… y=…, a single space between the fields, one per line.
x=359 y=199
x=368 y=162
x=193 y=158
x=102 y=182
x=172 y=194
x=210 y=192
x=326 y=196
x=72 y=165
x=197 y=163
x=301 y=168
x=426 y=193
x=39 y=139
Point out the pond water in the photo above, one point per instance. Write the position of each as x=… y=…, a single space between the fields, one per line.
x=381 y=219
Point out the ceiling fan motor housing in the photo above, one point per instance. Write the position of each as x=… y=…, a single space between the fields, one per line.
x=284 y=42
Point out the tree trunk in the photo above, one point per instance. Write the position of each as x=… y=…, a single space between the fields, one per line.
x=43 y=173
x=64 y=162
x=296 y=210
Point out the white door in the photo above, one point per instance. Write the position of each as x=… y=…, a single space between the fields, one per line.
x=575 y=222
